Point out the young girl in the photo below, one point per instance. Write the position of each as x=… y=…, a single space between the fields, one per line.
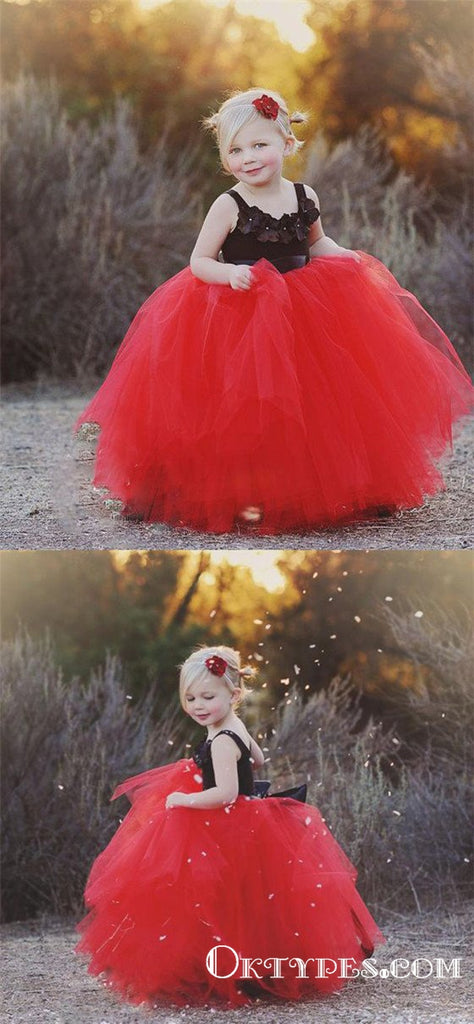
x=207 y=893
x=280 y=380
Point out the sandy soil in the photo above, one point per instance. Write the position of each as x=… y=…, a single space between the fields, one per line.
x=45 y=983
x=48 y=501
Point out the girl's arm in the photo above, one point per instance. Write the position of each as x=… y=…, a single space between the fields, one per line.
x=224 y=761
x=319 y=243
x=220 y=219
x=257 y=755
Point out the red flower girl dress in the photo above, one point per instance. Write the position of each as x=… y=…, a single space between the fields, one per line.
x=323 y=392
x=200 y=906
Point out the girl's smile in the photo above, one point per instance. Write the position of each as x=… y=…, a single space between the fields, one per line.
x=209 y=703
x=257 y=151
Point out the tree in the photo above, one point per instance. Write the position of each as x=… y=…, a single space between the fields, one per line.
x=369 y=66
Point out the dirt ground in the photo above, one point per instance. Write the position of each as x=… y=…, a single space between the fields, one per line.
x=48 y=501
x=46 y=983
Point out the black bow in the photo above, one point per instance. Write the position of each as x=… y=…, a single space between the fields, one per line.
x=296 y=792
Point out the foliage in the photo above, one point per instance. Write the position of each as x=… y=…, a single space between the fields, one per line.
x=401 y=811
x=151 y=608
x=91 y=607
x=90 y=228
x=404 y=67
x=65 y=747
x=99 y=50
x=335 y=623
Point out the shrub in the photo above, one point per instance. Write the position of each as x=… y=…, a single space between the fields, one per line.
x=90 y=228
x=65 y=748
x=401 y=811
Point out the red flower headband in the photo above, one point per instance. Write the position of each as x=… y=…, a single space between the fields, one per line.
x=267 y=106
x=216 y=665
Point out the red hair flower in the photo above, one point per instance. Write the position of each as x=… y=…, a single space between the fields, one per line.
x=216 y=665
x=267 y=106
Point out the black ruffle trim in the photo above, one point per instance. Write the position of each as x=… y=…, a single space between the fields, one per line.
x=252 y=221
x=201 y=754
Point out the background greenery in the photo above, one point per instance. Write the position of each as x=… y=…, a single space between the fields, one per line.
x=106 y=174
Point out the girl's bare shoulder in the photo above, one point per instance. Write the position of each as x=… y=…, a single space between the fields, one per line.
x=311 y=194
x=224 y=202
x=222 y=211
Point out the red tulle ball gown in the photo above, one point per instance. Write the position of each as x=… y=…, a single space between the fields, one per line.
x=322 y=393
x=259 y=879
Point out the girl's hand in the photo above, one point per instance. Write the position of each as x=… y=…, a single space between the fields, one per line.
x=177 y=800
x=240 y=277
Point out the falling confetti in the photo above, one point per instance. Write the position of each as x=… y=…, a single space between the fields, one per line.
x=211 y=614
x=357 y=618
x=418 y=615
x=389 y=598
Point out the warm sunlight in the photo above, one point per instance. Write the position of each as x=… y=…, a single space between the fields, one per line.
x=287 y=15
x=261 y=563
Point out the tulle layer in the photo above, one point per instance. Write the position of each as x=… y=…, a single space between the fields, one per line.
x=314 y=396
x=264 y=878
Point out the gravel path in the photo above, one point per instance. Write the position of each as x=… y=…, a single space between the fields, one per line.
x=45 y=983
x=48 y=501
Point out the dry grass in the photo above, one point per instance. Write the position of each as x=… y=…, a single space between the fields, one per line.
x=48 y=501
x=44 y=981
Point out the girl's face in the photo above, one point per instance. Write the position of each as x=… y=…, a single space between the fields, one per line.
x=256 y=153
x=208 y=703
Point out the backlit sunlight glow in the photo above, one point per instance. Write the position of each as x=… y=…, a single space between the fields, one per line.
x=287 y=15
x=262 y=564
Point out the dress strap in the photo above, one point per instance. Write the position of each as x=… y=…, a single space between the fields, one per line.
x=300 y=192
x=240 y=742
x=239 y=200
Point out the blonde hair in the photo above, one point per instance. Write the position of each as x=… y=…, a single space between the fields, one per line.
x=195 y=670
x=239 y=110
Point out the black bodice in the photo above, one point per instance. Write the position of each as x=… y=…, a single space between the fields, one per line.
x=202 y=757
x=282 y=241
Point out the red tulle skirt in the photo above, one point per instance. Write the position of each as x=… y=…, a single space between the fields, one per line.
x=260 y=879
x=316 y=396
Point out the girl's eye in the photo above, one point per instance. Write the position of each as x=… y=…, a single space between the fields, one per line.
x=260 y=145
